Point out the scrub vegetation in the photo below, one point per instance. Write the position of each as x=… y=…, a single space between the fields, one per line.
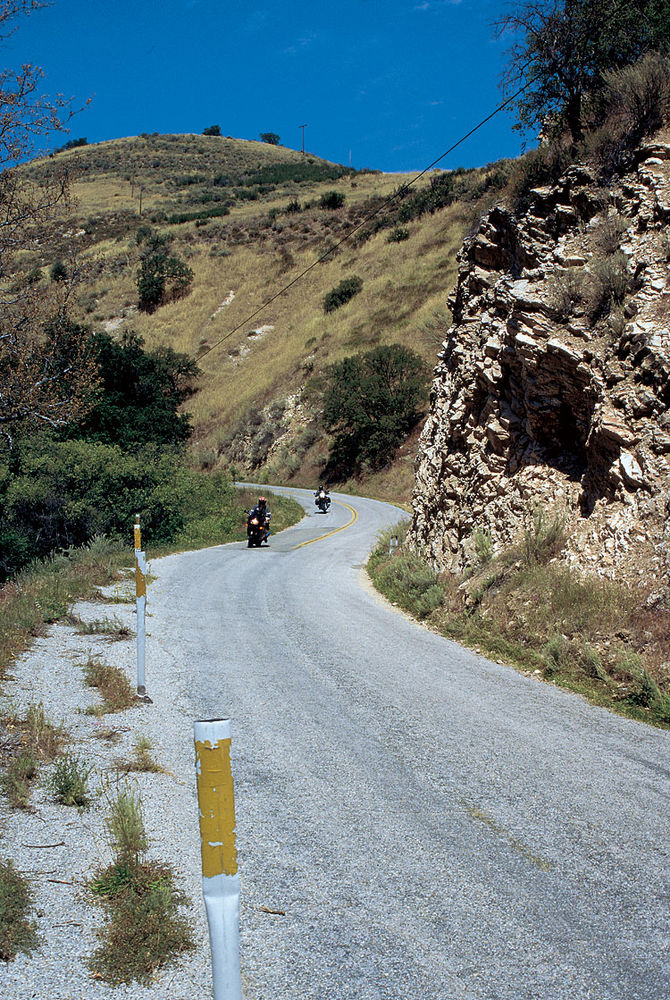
x=145 y=929
x=26 y=744
x=522 y=607
x=17 y=931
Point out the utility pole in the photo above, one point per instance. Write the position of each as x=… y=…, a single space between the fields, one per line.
x=303 y=127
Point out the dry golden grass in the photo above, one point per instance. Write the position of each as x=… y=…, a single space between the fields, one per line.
x=253 y=252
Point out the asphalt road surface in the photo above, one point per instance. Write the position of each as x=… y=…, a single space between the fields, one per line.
x=431 y=825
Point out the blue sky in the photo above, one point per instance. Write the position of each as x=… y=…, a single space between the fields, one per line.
x=391 y=83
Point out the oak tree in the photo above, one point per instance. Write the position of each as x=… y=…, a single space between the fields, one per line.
x=561 y=49
x=46 y=373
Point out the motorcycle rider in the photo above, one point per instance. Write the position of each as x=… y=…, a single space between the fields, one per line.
x=262 y=512
x=322 y=498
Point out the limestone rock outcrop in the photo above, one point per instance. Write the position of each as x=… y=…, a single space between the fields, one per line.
x=553 y=385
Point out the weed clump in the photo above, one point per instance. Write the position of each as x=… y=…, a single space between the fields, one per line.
x=141 y=759
x=69 y=781
x=544 y=539
x=144 y=929
x=16 y=780
x=115 y=688
x=111 y=627
x=34 y=740
x=17 y=932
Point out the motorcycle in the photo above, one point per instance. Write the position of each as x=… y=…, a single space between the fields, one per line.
x=258 y=530
x=322 y=500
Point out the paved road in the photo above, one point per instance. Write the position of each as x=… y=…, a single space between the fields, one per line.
x=432 y=825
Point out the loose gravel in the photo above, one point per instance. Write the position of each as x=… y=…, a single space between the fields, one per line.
x=58 y=848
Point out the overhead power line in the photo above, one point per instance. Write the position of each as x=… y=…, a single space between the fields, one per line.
x=399 y=193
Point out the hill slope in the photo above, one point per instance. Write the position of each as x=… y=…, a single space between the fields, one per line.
x=247 y=218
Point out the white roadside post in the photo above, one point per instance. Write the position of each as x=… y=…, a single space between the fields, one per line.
x=141 y=606
x=393 y=544
x=220 y=878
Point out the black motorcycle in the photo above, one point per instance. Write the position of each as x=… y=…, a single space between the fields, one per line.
x=322 y=500
x=258 y=529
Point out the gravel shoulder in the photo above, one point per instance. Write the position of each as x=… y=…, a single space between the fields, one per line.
x=59 y=847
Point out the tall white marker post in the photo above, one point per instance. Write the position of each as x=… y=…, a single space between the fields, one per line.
x=220 y=878
x=141 y=606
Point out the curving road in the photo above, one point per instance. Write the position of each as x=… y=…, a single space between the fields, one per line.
x=432 y=825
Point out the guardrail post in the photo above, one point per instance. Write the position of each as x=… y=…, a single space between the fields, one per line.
x=141 y=608
x=220 y=878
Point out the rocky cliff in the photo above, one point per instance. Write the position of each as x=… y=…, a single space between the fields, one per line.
x=552 y=387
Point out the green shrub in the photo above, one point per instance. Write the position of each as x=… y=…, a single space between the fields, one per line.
x=633 y=102
x=17 y=933
x=342 y=293
x=162 y=276
x=610 y=283
x=125 y=827
x=644 y=691
x=566 y=289
x=69 y=781
x=544 y=539
x=483 y=546
x=398 y=234
x=606 y=232
x=58 y=271
x=140 y=394
x=557 y=655
x=537 y=168
x=331 y=200
x=403 y=576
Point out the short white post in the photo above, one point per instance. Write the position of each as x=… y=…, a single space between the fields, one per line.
x=220 y=878
x=393 y=544
x=141 y=607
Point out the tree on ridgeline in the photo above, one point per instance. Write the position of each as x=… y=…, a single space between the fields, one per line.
x=562 y=49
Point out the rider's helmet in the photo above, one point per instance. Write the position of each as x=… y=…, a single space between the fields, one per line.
x=262 y=501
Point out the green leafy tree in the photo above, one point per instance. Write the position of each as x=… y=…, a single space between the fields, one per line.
x=140 y=393
x=212 y=130
x=371 y=404
x=562 y=48
x=162 y=276
x=270 y=137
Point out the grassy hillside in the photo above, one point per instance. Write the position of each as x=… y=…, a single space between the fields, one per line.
x=246 y=218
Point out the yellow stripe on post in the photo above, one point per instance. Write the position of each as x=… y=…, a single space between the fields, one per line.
x=220 y=878
x=217 y=808
x=138 y=534
x=140 y=578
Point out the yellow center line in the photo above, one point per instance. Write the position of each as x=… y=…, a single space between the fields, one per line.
x=352 y=520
